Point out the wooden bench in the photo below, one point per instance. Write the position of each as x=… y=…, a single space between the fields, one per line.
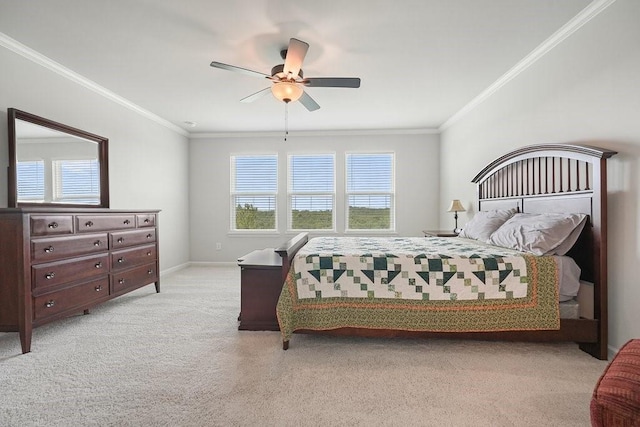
x=616 y=398
x=262 y=276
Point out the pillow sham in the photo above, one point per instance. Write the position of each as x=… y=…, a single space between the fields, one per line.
x=484 y=223
x=539 y=234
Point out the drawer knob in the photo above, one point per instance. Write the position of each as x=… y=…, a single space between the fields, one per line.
x=97 y=243
x=148 y=253
x=120 y=260
x=98 y=288
x=147 y=220
x=121 y=281
x=149 y=236
x=99 y=264
x=50 y=303
x=88 y=224
x=149 y=272
x=121 y=240
x=50 y=276
x=53 y=225
x=126 y=221
x=49 y=249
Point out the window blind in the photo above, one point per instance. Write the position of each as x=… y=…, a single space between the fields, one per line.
x=77 y=181
x=370 y=191
x=254 y=190
x=30 y=180
x=311 y=188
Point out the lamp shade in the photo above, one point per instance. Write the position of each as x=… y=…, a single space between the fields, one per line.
x=456 y=206
x=286 y=91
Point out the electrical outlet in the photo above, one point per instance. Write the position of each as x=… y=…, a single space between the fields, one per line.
x=218 y=246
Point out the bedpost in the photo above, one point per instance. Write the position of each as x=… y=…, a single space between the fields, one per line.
x=289 y=249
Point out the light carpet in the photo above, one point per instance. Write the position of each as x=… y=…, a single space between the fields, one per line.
x=177 y=359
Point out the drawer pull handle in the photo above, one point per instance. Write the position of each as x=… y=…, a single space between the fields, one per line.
x=149 y=236
x=53 y=225
x=50 y=276
x=50 y=303
x=97 y=243
x=121 y=240
x=99 y=264
x=149 y=272
x=49 y=249
x=147 y=220
x=121 y=281
x=88 y=224
x=98 y=288
x=120 y=260
x=126 y=221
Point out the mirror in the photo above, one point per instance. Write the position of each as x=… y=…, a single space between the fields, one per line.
x=51 y=164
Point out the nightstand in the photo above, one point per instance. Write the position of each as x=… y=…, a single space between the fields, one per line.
x=439 y=233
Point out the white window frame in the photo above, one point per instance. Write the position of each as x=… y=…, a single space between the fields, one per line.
x=292 y=194
x=58 y=181
x=390 y=193
x=234 y=194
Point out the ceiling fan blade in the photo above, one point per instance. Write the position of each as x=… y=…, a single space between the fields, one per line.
x=353 y=82
x=308 y=102
x=296 y=52
x=256 y=95
x=239 y=69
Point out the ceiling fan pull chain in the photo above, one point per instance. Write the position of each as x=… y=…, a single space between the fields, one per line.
x=286 y=121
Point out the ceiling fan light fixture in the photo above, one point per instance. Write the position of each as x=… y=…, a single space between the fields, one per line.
x=286 y=91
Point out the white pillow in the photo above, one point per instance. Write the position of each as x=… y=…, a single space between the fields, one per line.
x=539 y=234
x=484 y=223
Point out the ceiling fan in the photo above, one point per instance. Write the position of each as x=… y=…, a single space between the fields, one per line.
x=288 y=78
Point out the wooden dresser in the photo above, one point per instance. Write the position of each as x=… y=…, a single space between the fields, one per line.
x=55 y=262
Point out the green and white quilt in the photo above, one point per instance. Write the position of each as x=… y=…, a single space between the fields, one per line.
x=418 y=284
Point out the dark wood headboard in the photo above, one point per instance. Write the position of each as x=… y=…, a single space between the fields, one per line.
x=563 y=178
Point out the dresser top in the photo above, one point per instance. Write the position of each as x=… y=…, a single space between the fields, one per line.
x=71 y=210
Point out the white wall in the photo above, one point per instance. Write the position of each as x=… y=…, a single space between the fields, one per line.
x=586 y=90
x=148 y=163
x=417 y=190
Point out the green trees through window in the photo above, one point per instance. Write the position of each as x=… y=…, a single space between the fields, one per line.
x=311 y=192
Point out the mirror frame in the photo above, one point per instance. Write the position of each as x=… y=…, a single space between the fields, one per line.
x=103 y=158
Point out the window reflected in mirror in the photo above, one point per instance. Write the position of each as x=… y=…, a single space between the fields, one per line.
x=56 y=164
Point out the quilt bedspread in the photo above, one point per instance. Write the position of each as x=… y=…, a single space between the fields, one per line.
x=417 y=284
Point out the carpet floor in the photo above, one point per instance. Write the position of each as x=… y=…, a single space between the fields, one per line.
x=177 y=359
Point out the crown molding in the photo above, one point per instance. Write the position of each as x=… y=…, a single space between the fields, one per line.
x=38 y=58
x=293 y=134
x=586 y=15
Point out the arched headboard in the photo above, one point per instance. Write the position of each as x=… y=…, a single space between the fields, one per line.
x=564 y=178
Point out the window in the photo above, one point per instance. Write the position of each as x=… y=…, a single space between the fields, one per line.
x=254 y=190
x=311 y=192
x=30 y=176
x=370 y=191
x=76 y=181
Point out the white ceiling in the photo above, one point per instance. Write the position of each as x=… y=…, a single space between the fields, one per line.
x=420 y=61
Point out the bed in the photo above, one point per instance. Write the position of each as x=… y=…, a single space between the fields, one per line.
x=490 y=283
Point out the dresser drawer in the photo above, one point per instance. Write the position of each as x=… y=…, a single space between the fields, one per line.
x=146 y=220
x=79 y=296
x=122 y=239
x=44 y=225
x=91 y=223
x=128 y=258
x=49 y=249
x=134 y=278
x=57 y=273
